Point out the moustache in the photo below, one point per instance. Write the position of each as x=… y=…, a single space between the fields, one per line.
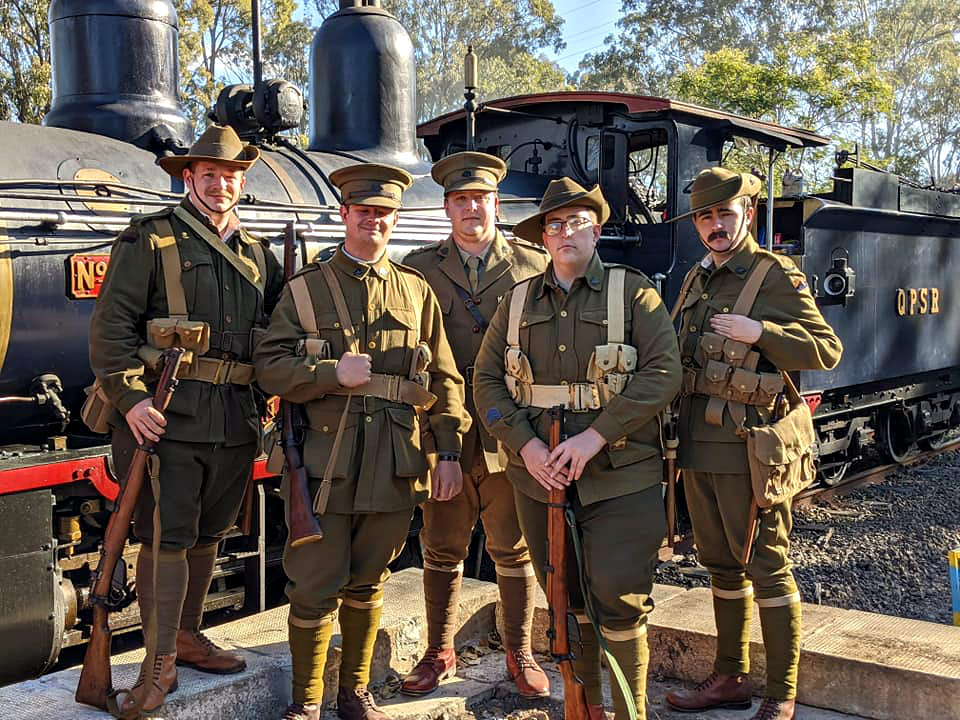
x=718 y=235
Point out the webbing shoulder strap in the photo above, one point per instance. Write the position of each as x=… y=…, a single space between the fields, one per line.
x=261 y=261
x=340 y=303
x=166 y=242
x=615 y=304
x=751 y=288
x=304 y=305
x=517 y=300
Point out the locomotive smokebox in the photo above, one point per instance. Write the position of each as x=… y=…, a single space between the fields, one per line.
x=363 y=85
x=115 y=71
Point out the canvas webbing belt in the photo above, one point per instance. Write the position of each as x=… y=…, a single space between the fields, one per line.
x=578 y=396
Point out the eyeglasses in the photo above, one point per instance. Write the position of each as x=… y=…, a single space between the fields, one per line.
x=573 y=224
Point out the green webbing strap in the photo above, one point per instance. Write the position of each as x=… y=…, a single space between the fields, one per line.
x=612 y=663
x=242 y=264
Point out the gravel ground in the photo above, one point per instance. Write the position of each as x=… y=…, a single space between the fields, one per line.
x=883 y=548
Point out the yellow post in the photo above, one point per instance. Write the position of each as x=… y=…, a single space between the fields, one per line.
x=955 y=584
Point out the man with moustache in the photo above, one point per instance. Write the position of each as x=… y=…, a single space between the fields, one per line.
x=191 y=276
x=595 y=339
x=358 y=340
x=471 y=271
x=782 y=330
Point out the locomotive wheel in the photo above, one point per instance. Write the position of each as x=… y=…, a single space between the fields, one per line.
x=898 y=435
x=834 y=472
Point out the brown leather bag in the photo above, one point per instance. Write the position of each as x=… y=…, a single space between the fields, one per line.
x=781 y=454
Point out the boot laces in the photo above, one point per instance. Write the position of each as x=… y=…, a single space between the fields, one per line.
x=205 y=642
x=524 y=659
x=365 y=698
x=769 y=709
x=709 y=682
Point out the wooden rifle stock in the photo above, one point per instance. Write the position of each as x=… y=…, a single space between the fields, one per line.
x=96 y=683
x=670 y=445
x=751 y=532
x=574 y=696
x=302 y=525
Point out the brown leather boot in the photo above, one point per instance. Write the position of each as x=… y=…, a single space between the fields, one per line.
x=154 y=682
x=527 y=675
x=717 y=691
x=771 y=709
x=436 y=665
x=358 y=704
x=302 y=712
x=195 y=650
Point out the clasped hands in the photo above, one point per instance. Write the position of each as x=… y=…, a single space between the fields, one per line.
x=556 y=470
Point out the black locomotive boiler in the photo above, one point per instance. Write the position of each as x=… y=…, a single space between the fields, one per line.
x=876 y=251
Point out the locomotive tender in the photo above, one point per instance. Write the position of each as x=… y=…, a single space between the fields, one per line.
x=876 y=252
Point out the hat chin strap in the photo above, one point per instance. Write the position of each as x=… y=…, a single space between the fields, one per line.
x=739 y=234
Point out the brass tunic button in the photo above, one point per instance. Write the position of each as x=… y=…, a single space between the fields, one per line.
x=228 y=319
x=336 y=324
x=705 y=297
x=604 y=321
x=563 y=382
x=563 y=313
x=369 y=419
x=476 y=328
x=326 y=428
x=562 y=348
x=371 y=344
x=693 y=328
x=187 y=264
x=523 y=323
x=726 y=309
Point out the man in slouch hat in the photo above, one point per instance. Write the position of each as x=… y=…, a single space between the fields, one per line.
x=595 y=339
x=732 y=359
x=189 y=276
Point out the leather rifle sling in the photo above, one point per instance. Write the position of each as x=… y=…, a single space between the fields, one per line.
x=742 y=306
x=684 y=291
x=346 y=324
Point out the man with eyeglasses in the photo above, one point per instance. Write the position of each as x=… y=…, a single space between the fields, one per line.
x=595 y=339
x=470 y=271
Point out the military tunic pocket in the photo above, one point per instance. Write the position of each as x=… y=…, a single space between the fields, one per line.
x=629 y=452
x=200 y=287
x=321 y=433
x=405 y=434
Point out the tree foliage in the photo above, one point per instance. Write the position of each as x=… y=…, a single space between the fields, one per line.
x=25 y=77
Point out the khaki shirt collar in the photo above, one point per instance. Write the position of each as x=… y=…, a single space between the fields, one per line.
x=592 y=277
x=464 y=255
x=359 y=269
x=740 y=263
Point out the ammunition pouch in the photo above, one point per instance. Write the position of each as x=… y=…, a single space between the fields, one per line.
x=97 y=409
x=168 y=332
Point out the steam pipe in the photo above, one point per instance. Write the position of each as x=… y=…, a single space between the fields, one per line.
x=257 y=50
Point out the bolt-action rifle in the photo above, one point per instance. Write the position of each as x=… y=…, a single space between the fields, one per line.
x=302 y=524
x=561 y=619
x=109 y=586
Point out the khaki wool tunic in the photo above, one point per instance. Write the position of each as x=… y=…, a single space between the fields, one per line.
x=795 y=336
x=506 y=264
x=380 y=466
x=133 y=292
x=558 y=333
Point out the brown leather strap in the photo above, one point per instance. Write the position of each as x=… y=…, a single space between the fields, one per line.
x=517 y=301
x=394 y=388
x=303 y=304
x=340 y=303
x=218 y=372
x=166 y=242
x=346 y=326
x=684 y=291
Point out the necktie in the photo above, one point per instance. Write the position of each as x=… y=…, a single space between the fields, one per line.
x=473 y=272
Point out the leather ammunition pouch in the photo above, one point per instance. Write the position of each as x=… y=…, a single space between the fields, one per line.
x=781 y=454
x=609 y=370
x=726 y=369
x=97 y=409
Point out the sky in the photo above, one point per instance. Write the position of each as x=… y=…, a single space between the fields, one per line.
x=586 y=24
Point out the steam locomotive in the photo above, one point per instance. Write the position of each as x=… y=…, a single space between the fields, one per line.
x=876 y=251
